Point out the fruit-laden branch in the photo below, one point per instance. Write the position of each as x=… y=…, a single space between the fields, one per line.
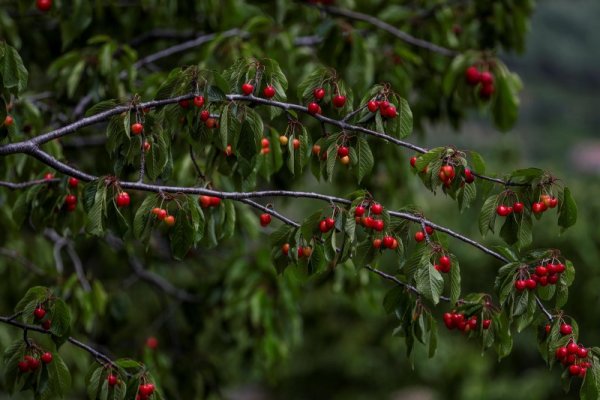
x=100 y=357
x=28 y=146
x=405 y=37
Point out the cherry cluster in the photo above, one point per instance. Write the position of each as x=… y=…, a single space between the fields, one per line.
x=265 y=146
x=385 y=108
x=338 y=100
x=543 y=274
x=420 y=235
x=208 y=201
x=32 y=363
x=455 y=320
x=303 y=251
x=326 y=224
x=444 y=264
x=40 y=316
x=545 y=202
x=145 y=390
x=485 y=80
x=368 y=221
x=573 y=355
x=269 y=91
x=343 y=154
x=71 y=199
x=163 y=215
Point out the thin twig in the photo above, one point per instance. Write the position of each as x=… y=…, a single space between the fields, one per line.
x=13 y=254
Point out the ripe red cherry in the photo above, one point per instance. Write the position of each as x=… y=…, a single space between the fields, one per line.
x=46 y=358
x=413 y=161
x=560 y=268
x=185 y=103
x=48 y=176
x=561 y=353
x=39 y=313
x=553 y=202
x=112 y=380
x=73 y=182
x=419 y=236
x=215 y=201
x=296 y=144
x=574 y=370
x=265 y=142
x=530 y=283
x=486 y=91
x=469 y=177
x=339 y=101
x=449 y=321
x=473 y=75
x=445 y=262
x=70 y=200
x=285 y=248
x=377 y=243
x=137 y=128
x=389 y=112
x=323 y=226
x=9 y=120
x=123 y=199
x=169 y=220
x=518 y=207
x=537 y=207
x=552 y=279
x=372 y=106
x=378 y=225
x=540 y=270
x=43 y=5
x=204 y=201
x=342 y=151
x=199 y=101
x=359 y=211
x=319 y=93
x=566 y=329
x=383 y=105
x=520 y=285
x=330 y=222
x=582 y=352
x=265 y=219
x=502 y=210
x=388 y=241
x=486 y=78
x=204 y=115
x=429 y=230
x=486 y=323
x=146 y=390
x=23 y=366
x=269 y=92
x=448 y=171
x=34 y=363
x=47 y=324
x=247 y=89
x=376 y=208
x=313 y=108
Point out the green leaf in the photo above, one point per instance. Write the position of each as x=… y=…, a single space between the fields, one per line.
x=487 y=217
x=143 y=218
x=61 y=320
x=310 y=225
x=567 y=214
x=454 y=280
x=429 y=282
x=95 y=223
x=393 y=298
x=14 y=74
x=405 y=118
x=365 y=158
x=590 y=389
x=101 y=107
x=425 y=159
x=59 y=376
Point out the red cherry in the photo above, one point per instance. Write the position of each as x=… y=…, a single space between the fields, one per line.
x=269 y=92
x=39 y=313
x=540 y=270
x=9 y=120
x=146 y=390
x=378 y=225
x=323 y=227
x=73 y=182
x=112 y=380
x=429 y=230
x=339 y=101
x=185 y=103
x=265 y=219
x=530 y=284
x=537 y=207
x=265 y=142
x=518 y=207
x=413 y=161
x=319 y=93
x=486 y=78
x=574 y=370
x=343 y=151
x=560 y=268
x=137 y=128
x=204 y=201
x=247 y=89
x=566 y=329
x=486 y=323
x=448 y=171
x=204 y=115
x=330 y=222
x=48 y=176
x=469 y=177
x=199 y=101
x=46 y=358
x=582 y=352
x=572 y=348
x=43 y=5
x=376 y=208
x=152 y=343
x=561 y=353
x=388 y=241
x=368 y=222
x=389 y=112
x=552 y=279
x=419 y=236
x=34 y=363
x=473 y=75
x=285 y=248
x=215 y=201
x=473 y=322
x=553 y=202
x=449 y=321
x=372 y=106
x=383 y=105
x=377 y=243
x=486 y=91
x=502 y=210
x=47 y=324
x=169 y=220
x=23 y=366
x=313 y=108
x=543 y=280
x=520 y=285
x=296 y=144
x=445 y=262
x=123 y=199
x=359 y=211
